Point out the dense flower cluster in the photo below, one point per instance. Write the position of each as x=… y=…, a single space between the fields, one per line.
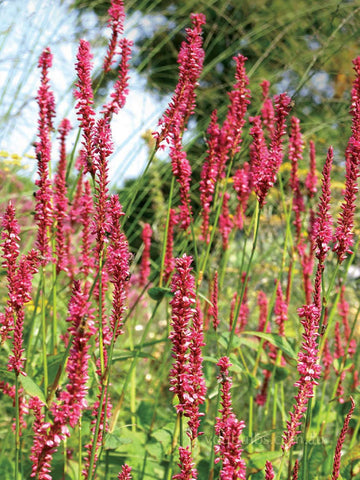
x=116 y=23
x=84 y=106
x=186 y=377
x=60 y=200
x=43 y=208
x=340 y=442
x=228 y=428
x=190 y=60
x=309 y=370
x=265 y=162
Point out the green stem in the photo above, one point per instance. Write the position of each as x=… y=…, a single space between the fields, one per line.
x=17 y=428
x=43 y=328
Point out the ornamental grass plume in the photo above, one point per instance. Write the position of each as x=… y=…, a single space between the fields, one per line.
x=340 y=442
x=228 y=428
x=186 y=377
x=60 y=200
x=43 y=208
x=181 y=107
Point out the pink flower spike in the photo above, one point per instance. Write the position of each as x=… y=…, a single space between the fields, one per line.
x=145 y=259
x=186 y=464
x=295 y=471
x=311 y=178
x=213 y=309
x=309 y=370
x=60 y=200
x=340 y=442
x=186 y=378
x=169 y=262
x=344 y=232
x=118 y=260
x=84 y=105
x=43 y=208
x=125 y=473
x=280 y=310
x=242 y=182
x=116 y=15
x=322 y=230
x=225 y=222
x=209 y=174
x=267 y=109
x=182 y=171
x=269 y=471
x=228 y=428
x=118 y=97
x=190 y=60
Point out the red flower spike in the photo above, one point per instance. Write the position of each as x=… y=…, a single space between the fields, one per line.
x=187 y=465
x=225 y=222
x=344 y=232
x=84 y=106
x=186 y=377
x=213 y=309
x=309 y=370
x=311 y=178
x=116 y=15
x=182 y=171
x=269 y=471
x=118 y=97
x=242 y=183
x=125 y=473
x=267 y=109
x=209 y=174
x=118 y=260
x=60 y=200
x=43 y=208
x=228 y=428
x=145 y=259
x=190 y=60
x=340 y=442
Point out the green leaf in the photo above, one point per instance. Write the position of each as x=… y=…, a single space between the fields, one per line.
x=32 y=388
x=277 y=340
x=158 y=293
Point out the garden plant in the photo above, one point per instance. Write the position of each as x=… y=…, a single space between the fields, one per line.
x=218 y=342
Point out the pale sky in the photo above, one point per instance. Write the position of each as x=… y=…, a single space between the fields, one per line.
x=28 y=26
